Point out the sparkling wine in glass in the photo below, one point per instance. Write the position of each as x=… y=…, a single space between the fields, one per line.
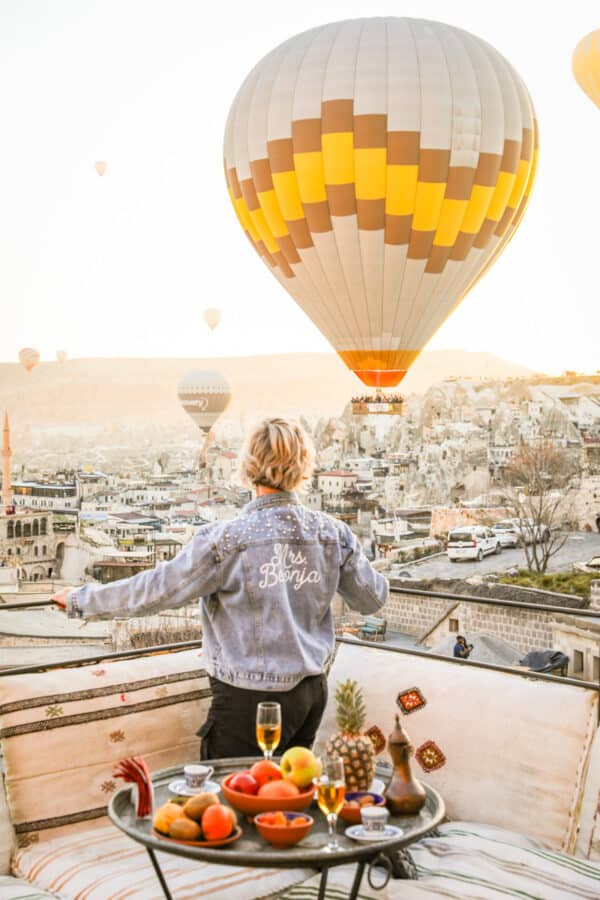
x=268 y=727
x=331 y=790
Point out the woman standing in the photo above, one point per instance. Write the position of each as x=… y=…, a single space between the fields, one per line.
x=267 y=580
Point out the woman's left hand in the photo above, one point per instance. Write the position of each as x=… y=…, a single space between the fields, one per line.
x=61 y=598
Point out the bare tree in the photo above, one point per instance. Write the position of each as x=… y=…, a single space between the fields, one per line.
x=539 y=484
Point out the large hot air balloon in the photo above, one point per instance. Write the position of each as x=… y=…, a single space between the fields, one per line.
x=204 y=394
x=29 y=358
x=100 y=167
x=61 y=356
x=212 y=317
x=379 y=166
x=586 y=65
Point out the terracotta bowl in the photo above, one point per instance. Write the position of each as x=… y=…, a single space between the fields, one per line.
x=285 y=835
x=351 y=814
x=251 y=805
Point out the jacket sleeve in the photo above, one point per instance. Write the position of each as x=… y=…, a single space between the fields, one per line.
x=363 y=589
x=195 y=572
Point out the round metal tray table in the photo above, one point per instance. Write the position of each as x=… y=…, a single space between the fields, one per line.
x=252 y=850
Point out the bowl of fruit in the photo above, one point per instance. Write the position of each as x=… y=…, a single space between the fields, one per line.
x=286 y=787
x=202 y=821
x=283 y=829
x=354 y=801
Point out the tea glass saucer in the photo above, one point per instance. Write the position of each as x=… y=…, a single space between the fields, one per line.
x=358 y=833
x=180 y=788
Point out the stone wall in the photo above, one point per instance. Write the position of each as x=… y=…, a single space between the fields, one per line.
x=495 y=590
x=427 y=618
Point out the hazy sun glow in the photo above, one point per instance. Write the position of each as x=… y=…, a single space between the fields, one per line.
x=125 y=264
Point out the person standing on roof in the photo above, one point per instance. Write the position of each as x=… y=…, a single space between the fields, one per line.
x=267 y=580
x=462 y=650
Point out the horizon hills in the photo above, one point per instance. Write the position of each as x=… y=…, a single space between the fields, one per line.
x=144 y=390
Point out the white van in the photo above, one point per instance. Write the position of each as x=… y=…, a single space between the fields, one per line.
x=472 y=542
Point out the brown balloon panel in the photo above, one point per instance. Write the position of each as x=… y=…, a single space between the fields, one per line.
x=379 y=368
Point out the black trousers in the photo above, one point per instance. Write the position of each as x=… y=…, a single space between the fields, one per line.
x=230 y=728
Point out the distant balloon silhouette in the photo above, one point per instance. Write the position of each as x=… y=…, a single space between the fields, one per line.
x=586 y=65
x=100 y=167
x=61 y=356
x=205 y=395
x=379 y=167
x=212 y=317
x=29 y=358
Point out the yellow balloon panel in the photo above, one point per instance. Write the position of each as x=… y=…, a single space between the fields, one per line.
x=378 y=166
x=586 y=65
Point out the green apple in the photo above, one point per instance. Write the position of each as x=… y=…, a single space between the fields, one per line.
x=300 y=766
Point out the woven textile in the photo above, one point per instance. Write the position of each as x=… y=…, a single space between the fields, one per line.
x=63 y=730
x=98 y=862
x=474 y=862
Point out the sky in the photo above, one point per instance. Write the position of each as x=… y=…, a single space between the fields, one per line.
x=125 y=264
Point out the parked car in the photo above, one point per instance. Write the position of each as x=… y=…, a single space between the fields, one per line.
x=531 y=533
x=592 y=566
x=472 y=542
x=508 y=532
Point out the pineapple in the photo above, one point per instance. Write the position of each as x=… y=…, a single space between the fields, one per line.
x=355 y=748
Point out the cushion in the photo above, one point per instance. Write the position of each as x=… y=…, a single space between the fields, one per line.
x=16 y=889
x=96 y=861
x=588 y=838
x=501 y=749
x=63 y=730
x=471 y=862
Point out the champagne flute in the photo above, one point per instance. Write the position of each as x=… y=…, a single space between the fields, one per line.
x=331 y=790
x=268 y=727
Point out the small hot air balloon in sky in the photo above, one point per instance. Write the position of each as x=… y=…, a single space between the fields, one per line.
x=212 y=317
x=379 y=167
x=100 y=167
x=61 y=356
x=29 y=358
x=586 y=65
x=205 y=395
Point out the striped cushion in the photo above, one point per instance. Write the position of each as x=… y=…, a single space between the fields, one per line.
x=475 y=862
x=96 y=861
x=63 y=730
x=17 y=889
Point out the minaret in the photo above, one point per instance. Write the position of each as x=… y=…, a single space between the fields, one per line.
x=7 y=498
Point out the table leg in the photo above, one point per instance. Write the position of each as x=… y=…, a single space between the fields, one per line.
x=323 y=883
x=357 y=880
x=159 y=873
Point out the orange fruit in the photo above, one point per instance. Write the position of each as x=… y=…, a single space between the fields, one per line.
x=217 y=822
x=165 y=815
x=279 y=819
x=278 y=790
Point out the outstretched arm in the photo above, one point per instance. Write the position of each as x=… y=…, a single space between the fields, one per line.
x=194 y=573
x=362 y=587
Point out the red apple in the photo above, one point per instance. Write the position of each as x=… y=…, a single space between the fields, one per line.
x=243 y=783
x=265 y=771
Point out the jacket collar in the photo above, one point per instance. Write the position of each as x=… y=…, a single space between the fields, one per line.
x=282 y=498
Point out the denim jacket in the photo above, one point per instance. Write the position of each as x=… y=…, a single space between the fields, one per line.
x=267 y=579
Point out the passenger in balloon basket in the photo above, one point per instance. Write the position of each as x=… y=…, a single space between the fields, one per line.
x=266 y=581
